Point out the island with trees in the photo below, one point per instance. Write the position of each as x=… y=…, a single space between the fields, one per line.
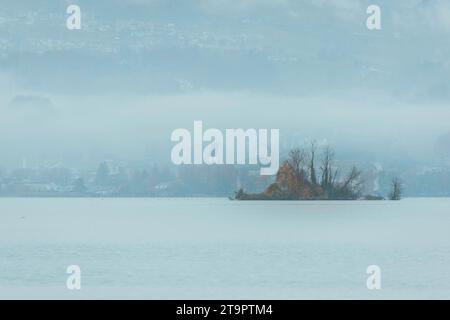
x=299 y=178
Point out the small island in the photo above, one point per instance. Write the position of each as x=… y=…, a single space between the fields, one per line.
x=298 y=179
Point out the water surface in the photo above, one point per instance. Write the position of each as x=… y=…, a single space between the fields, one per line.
x=216 y=248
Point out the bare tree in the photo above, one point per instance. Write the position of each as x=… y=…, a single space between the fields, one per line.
x=352 y=184
x=312 y=170
x=327 y=172
x=296 y=161
x=295 y=158
x=397 y=189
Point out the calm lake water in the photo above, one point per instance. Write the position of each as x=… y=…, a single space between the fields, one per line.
x=216 y=248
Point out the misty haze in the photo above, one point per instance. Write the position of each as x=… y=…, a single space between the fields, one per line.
x=86 y=118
